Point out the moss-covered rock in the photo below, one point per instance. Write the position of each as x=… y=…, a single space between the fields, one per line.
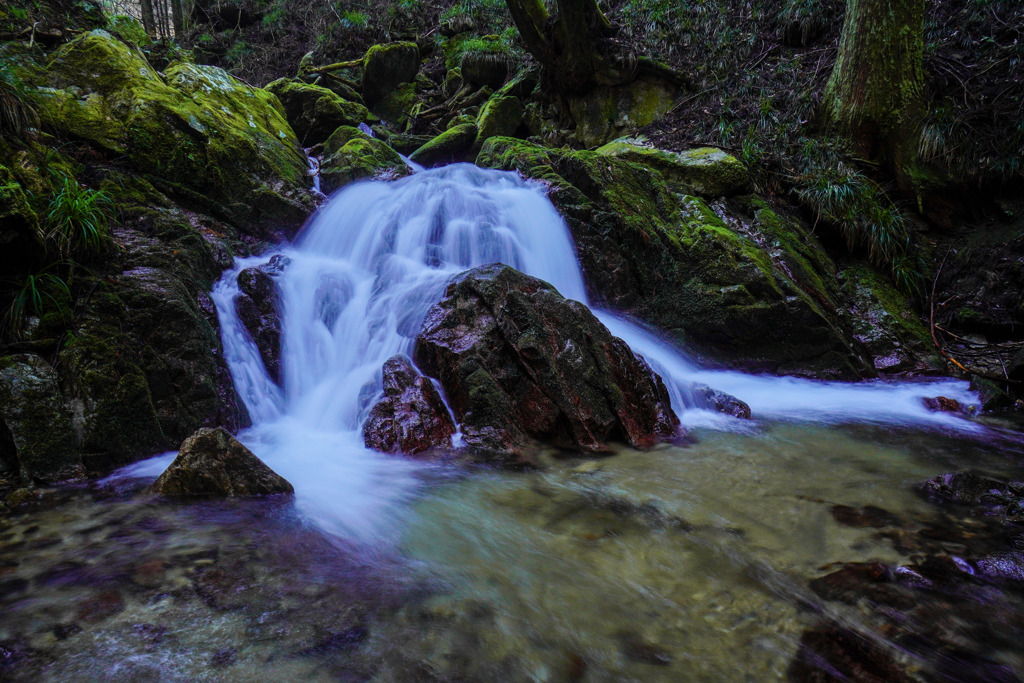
x=20 y=242
x=350 y=154
x=607 y=113
x=452 y=145
x=397 y=106
x=315 y=112
x=212 y=463
x=129 y=29
x=706 y=171
x=201 y=129
x=499 y=116
x=485 y=67
x=885 y=322
x=386 y=66
x=36 y=440
x=718 y=278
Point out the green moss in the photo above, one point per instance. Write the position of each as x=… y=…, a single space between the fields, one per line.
x=711 y=276
x=706 y=171
x=352 y=155
x=201 y=129
x=458 y=45
x=398 y=105
x=129 y=29
x=500 y=116
x=448 y=146
x=387 y=66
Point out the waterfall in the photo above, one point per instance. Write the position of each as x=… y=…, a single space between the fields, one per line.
x=358 y=282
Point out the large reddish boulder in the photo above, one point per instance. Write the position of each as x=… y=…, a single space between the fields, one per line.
x=412 y=417
x=519 y=363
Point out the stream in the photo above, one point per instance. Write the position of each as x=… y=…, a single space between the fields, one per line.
x=690 y=561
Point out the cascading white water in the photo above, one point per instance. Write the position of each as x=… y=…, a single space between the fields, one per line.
x=360 y=280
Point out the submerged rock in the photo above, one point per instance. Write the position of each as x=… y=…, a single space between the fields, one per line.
x=315 y=112
x=36 y=440
x=519 y=362
x=722 y=402
x=211 y=462
x=412 y=417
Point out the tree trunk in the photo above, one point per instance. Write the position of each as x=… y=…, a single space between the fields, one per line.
x=148 y=20
x=573 y=49
x=875 y=93
x=178 y=18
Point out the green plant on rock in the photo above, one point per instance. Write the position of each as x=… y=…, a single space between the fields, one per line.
x=859 y=210
x=16 y=114
x=77 y=218
x=36 y=294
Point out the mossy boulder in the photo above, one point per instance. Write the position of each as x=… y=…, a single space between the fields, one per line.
x=885 y=322
x=731 y=282
x=350 y=155
x=212 y=463
x=518 y=363
x=20 y=243
x=609 y=112
x=706 y=171
x=397 y=106
x=485 y=67
x=315 y=112
x=452 y=145
x=200 y=129
x=386 y=66
x=36 y=440
x=129 y=29
x=498 y=116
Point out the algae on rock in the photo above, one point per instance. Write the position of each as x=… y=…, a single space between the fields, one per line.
x=714 y=282
x=350 y=155
x=201 y=129
x=315 y=112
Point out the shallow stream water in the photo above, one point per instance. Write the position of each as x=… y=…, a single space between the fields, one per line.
x=685 y=562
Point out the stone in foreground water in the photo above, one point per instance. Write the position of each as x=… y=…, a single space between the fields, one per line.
x=211 y=462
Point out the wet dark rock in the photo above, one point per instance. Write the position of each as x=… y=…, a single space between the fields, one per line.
x=258 y=307
x=834 y=653
x=518 y=362
x=639 y=650
x=1003 y=564
x=223 y=658
x=65 y=631
x=412 y=417
x=100 y=606
x=965 y=488
x=722 y=402
x=942 y=404
x=867 y=516
x=36 y=438
x=211 y=462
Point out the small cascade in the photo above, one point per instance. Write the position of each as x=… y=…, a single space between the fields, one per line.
x=360 y=280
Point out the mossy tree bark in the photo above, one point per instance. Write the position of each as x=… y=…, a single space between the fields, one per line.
x=875 y=93
x=574 y=48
